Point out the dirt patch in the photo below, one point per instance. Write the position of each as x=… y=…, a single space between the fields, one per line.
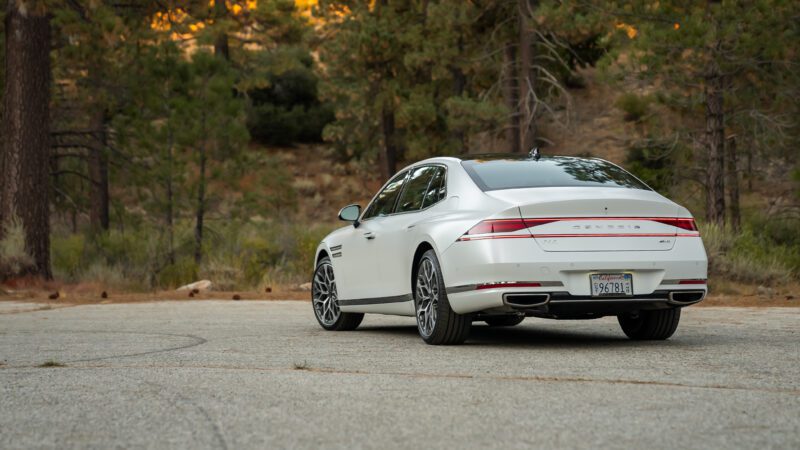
x=751 y=300
x=80 y=295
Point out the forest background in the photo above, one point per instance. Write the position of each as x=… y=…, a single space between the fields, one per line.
x=148 y=144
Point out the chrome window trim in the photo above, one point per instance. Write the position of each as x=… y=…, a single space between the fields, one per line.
x=408 y=173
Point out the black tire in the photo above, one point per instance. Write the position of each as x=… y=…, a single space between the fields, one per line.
x=504 y=321
x=656 y=325
x=448 y=327
x=344 y=321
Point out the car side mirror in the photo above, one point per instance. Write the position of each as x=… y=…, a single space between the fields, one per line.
x=350 y=213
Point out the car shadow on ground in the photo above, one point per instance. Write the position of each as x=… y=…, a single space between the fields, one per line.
x=526 y=335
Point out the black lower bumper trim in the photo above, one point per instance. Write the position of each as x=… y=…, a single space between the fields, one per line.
x=562 y=305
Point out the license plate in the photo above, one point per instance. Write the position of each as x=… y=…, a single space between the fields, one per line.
x=611 y=284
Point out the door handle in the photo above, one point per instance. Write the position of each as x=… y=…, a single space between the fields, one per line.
x=369 y=235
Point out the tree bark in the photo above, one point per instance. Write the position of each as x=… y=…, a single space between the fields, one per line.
x=221 y=47
x=733 y=185
x=511 y=94
x=201 y=208
x=98 y=173
x=170 y=192
x=25 y=160
x=713 y=92
x=459 y=85
x=715 y=148
x=527 y=97
x=388 y=157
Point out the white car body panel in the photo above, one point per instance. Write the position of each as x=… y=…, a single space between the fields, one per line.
x=600 y=230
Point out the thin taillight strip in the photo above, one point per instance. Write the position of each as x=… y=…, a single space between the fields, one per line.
x=528 y=223
x=604 y=235
x=495 y=236
x=521 y=236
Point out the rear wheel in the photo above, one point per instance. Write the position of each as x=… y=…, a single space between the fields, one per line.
x=436 y=322
x=504 y=321
x=325 y=300
x=654 y=325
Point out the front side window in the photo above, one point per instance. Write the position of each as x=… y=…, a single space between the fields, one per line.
x=385 y=200
x=416 y=187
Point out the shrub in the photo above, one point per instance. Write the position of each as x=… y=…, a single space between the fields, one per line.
x=68 y=255
x=289 y=110
x=14 y=260
x=746 y=256
x=653 y=164
x=634 y=106
x=184 y=271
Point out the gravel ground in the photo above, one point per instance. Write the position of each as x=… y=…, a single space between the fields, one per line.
x=223 y=374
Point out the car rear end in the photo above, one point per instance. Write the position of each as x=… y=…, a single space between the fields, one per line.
x=585 y=240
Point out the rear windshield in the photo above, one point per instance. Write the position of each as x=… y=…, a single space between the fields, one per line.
x=493 y=173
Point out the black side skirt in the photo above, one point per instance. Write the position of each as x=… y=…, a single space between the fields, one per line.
x=376 y=301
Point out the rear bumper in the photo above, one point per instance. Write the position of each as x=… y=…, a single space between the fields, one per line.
x=564 y=276
x=563 y=305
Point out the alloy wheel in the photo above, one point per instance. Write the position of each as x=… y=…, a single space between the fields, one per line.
x=427 y=297
x=324 y=297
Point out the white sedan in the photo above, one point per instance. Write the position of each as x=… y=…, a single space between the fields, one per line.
x=497 y=238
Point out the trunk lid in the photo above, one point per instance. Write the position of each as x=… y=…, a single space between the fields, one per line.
x=580 y=219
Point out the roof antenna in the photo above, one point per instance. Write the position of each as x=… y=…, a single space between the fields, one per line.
x=534 y=154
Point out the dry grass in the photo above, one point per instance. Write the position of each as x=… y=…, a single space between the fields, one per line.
x=723 y=293
x=89 y=293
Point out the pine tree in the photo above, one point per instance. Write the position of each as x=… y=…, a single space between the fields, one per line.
x=723 y=62
x=24 y=161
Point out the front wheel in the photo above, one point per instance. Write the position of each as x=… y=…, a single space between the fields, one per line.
x=436 y=322
x=325 y=300
x=655 y=325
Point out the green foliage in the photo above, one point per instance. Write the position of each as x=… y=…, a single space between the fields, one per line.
x=68 y=256
x=240 y=255
x=182 y=272
x=288 y=109
x=654 y=163
x=635 y=107
x=273 y=124
x=749 y=256
x=678 y=46
x=796 y=178
x=13 y=257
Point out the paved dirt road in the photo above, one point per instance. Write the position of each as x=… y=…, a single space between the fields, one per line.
x=229 y=374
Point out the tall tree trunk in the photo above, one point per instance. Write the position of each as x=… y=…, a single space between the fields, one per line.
x=98 y=174
x=511 y=95
x=221 y=47
x=169 y=213
x=715 y=144
x=733 y=185
x=201 y=208
x=527 y=101
x=750 y=171
x=715 y=148
x=459 y=84
x=713 y=92
x=388 y=157
x=25 y=160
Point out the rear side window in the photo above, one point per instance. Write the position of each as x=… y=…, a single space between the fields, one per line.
x=416 y=187
x=437 y=189
x=558 y=171
x=386 y=198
